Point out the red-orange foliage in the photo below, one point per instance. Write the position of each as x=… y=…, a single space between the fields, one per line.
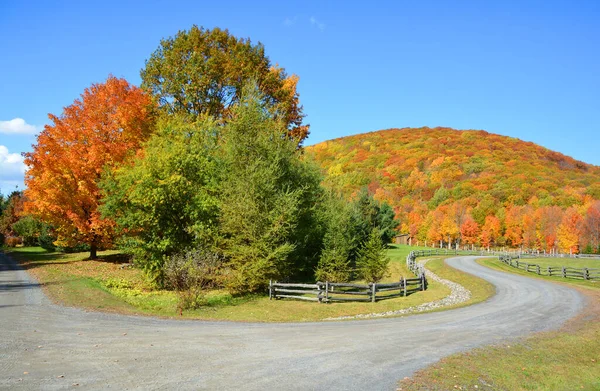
x=514 y=226
x=569 y=230
x=490 y=231
x=475 y=171
x=530 y=239
x=469 y=231
x=548 y=219
x=94 y=133
x=591 y=227
x=12 y=213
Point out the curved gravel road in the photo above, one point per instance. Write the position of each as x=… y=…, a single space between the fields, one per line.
x=45 y=346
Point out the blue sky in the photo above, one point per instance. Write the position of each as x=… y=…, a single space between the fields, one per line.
x=523 y=69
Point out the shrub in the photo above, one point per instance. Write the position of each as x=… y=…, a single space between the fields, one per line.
x=190 y=272
x=13 y=241
x=46 y=239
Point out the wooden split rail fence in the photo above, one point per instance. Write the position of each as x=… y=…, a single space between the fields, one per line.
x=328 y=292
x=560 y=271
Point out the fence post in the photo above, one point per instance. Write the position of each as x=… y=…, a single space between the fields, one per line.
x=586 y=273
x=538 y=269
x=564 y=272
x=550 y=271
x=327 y=291
x=422 y=281
x=404 y=285
x=320 y=292
x=373 y=292
x=517 y=263
x=270 y=289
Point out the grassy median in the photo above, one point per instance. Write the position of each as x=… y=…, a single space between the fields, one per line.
x=110 y=284
x=566 y=359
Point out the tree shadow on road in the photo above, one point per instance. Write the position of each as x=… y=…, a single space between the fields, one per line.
x=38 y=257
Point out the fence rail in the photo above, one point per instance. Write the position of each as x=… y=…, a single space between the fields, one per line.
x=558 y=255
x=561 y=271
x=328 y=292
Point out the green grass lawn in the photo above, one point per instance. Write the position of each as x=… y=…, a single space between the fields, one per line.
x=106 y=285
x=567 y=359
x=567 y=262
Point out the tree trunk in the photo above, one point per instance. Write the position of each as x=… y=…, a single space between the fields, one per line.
x=93 y=251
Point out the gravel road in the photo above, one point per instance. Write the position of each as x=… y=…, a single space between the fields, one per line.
x=50 y=347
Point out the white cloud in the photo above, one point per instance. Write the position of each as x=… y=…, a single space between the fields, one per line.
x=17 y=126
x=320 y=25
x=12 y=170
x=289 y=21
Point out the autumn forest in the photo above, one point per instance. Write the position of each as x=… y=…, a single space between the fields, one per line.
x=471 y=188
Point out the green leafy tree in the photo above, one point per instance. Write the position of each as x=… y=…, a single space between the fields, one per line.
x=372 y=263
x=34 y=232
x=267 y=199
x=369 y=214
x=163 y=201
x=203 y=72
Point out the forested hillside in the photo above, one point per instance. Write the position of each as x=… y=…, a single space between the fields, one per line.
x=471 y=187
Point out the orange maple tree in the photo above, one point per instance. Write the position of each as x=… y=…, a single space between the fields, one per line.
x=97 y=131
x=469 y=231
x=569 y=230
x=591 y=226
x=490 y=231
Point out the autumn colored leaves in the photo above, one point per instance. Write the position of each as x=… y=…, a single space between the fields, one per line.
x=471 y=188
x=94 y=134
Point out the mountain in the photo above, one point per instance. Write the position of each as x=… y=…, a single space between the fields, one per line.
x=437 y=176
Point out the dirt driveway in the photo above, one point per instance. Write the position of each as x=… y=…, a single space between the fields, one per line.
x=49 y=347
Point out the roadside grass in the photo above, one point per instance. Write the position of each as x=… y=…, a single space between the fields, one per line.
x=578 y=263
x=106 y=284
x=556 y=262
x=565 y=359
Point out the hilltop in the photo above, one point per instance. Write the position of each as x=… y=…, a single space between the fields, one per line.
x=431 y=174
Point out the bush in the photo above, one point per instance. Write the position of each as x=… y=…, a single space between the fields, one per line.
x=13 y=241
x=46 y=239
x=190 y=272
x=28 y=228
